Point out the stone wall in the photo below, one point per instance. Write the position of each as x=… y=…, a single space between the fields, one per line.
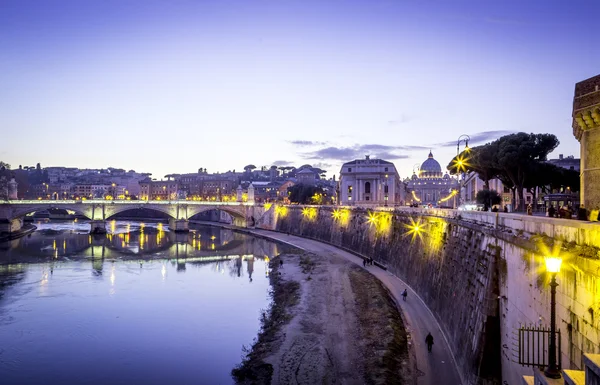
x=481 y=274
x=586 y=128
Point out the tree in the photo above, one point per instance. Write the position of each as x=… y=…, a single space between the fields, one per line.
x=4 y=165
x=519 y=154
x=488 y=198
x=480 y=159
x=304 y=194
x=515 y=159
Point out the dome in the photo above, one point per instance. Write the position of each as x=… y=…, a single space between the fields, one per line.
x=430 y=168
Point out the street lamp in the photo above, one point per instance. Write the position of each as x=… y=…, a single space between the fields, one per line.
x=463 y=138
x=553 y=267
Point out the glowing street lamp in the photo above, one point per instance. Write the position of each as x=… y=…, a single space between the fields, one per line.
x=463 y=138
x=553 y=267
x=372 y=218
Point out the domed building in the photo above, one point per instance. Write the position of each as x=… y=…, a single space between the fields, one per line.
x=431 y=185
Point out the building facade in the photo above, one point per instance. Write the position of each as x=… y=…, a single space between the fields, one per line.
x=431 y=186
x=370 y=182
x=158 y=190
x=586 y=128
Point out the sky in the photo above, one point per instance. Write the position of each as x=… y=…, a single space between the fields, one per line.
x=172 y=86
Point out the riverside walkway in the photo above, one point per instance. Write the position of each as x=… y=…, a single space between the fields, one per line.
x=435 y=368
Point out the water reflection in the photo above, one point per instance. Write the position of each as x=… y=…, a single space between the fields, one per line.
x=154 y=306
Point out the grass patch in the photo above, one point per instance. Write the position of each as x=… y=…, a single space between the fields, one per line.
x=386 y=345
x=307 y=264
x=284 y=295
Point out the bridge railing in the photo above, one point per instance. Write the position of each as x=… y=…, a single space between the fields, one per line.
x=126 y=202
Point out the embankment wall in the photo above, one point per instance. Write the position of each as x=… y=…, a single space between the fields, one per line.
x=481 y=274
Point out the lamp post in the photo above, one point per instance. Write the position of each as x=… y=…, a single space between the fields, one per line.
x=552 y=266
x=463 y=138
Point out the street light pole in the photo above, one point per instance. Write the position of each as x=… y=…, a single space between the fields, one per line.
x=463 y=138
x=553 y=266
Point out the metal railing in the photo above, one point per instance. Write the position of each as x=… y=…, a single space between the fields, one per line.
x=534 y=345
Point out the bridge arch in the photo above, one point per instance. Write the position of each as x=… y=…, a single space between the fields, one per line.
x=238 y=213
x=112 y=211
x=234 y=211
x=23 y=211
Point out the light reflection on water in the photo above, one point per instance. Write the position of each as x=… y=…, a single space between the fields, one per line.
x=139 y=305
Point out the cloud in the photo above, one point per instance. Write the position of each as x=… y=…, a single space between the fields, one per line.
x=305 y=143
x=333 y=153
x=381 y=151
x=282 y=163
x=478 y=138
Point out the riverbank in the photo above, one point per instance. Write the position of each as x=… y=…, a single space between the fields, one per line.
x=331 y=322
x=26 y=229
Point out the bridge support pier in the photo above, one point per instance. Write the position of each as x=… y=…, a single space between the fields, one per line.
x=239 y=222
x=98 y=227
x=179 y=225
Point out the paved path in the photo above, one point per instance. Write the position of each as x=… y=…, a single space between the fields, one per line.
x=435 y=368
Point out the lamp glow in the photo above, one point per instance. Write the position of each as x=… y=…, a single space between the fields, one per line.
x=553 y=264
x=372 y=218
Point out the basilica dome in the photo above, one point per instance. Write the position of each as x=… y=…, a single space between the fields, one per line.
x=430 y=168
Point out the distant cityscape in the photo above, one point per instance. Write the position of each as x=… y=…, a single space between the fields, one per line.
x=361 y=182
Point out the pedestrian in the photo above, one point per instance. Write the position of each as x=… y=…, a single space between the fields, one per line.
x=370 y=261
x=429 y=342
x=505 y=208
x=364 y=262
x=404 y=294
x=280 y=262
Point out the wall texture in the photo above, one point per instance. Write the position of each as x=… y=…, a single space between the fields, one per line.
x=481 y=274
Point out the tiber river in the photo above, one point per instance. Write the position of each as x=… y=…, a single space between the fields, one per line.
x=140 y=305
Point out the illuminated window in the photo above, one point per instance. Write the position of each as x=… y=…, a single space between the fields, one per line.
x=349 y=189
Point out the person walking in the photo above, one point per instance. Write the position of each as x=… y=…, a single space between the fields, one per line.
x=429 y=342
x=404 y=294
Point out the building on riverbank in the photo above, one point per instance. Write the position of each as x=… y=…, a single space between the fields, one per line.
x=370 y=182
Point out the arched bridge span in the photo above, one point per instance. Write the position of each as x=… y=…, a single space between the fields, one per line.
x=180 y=211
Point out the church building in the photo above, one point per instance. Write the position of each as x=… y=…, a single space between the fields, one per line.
x=431 y=186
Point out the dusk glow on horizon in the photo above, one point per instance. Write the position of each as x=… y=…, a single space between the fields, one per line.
x=171 y=86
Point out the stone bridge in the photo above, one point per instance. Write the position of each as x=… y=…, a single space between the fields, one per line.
x=98 y=211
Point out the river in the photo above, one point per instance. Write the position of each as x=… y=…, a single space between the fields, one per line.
x=137 y=305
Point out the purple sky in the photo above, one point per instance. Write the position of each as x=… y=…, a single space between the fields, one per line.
x=171 y=86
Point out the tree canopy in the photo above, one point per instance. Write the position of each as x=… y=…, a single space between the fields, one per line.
x=305 y=194
x=518 y=160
